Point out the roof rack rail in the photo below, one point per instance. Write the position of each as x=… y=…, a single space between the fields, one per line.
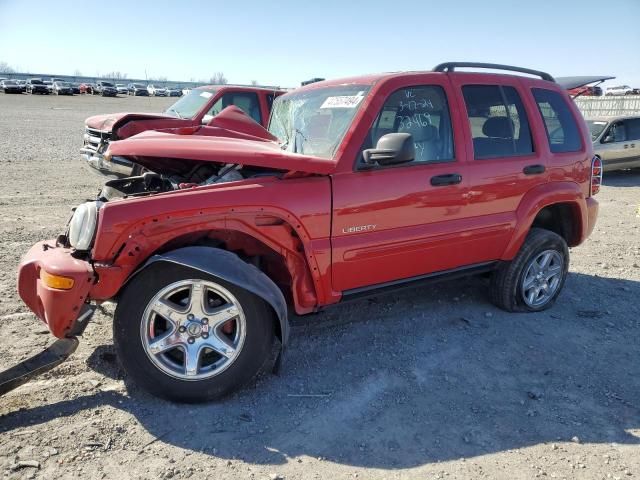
x=451 y=66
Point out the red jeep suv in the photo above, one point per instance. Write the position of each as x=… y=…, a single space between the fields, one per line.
x=359 y=185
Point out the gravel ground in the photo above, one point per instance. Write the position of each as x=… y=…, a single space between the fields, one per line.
x=429 y=383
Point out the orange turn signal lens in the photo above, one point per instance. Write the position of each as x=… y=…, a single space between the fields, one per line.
x=56 y=281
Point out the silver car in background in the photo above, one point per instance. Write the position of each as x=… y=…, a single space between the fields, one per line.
x=616 y=140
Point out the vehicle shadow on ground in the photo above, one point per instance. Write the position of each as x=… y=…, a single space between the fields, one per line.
x=417 y=377
x=622 y=178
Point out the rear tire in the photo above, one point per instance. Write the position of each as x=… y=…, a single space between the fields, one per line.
x=532 y=281
x=240 y=326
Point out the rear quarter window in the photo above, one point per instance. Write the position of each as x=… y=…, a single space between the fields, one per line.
x=561 y=127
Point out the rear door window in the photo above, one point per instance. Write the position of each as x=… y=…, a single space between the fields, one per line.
x=633 y=128
x=498 y=121
x=562 y=130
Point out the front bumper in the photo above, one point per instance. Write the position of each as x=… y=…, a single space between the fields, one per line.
x=95 y=144
x=61 y=310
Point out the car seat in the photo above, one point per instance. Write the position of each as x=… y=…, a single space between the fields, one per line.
x=498 y=139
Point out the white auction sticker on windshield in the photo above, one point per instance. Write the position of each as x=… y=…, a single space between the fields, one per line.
x=206 y=94
x=343 y=101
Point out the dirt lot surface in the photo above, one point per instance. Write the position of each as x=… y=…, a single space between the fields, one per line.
x=428 y=383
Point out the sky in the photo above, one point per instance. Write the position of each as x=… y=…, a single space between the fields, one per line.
x=283 y=43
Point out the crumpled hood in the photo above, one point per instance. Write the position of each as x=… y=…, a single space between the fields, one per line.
x=231 y=137
x=106 y=122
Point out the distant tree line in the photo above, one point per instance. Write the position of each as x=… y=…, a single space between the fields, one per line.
x=6 y=68
x=217 y=78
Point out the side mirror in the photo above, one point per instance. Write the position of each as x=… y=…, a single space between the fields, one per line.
x=206 y=119
x=391 y=149
x=608 y=138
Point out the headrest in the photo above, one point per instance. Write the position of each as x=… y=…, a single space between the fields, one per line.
x=427 y=133
x=498 y=127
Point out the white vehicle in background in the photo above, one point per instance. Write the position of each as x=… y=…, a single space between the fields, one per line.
x=619 y=91
x=186 y=90
x=156 y=91
x=122 y=89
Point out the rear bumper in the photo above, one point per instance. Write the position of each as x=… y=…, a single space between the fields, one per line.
x=592 y=215
x=61 y=310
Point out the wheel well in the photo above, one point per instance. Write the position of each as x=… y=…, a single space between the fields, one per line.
x=248 y=248
x=559 y=218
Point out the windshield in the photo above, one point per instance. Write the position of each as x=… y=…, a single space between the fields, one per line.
x=314 y=122
x=189 y=105
x=62 y=84
x=596 y=127
x=106 y=84
x=9 y=82
x=139 y=85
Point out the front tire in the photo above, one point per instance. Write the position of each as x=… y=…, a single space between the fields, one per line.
x=187 y=336
x=532 y=281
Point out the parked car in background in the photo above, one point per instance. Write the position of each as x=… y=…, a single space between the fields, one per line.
x=359 y=186
x=36 y=85
x=23 y=85
x=619 y=91
x=157 y=91
x=86 y=88
x=62 y=88
x=121 y=88
x=10 y=86
x=137 y=89
x=186 y=90
x=49 y=85
x=616 y=141
x=193 y=110
x=75 y=87
x=586 y=91
x=174 y=92
x=106 y=89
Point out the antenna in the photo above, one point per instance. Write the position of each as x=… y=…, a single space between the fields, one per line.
x=146 y=79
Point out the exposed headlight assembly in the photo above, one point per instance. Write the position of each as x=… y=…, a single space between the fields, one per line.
x=82 y=226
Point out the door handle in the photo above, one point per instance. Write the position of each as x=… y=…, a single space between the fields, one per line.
x=626 y=145
x=533 y=169
x=447 y=179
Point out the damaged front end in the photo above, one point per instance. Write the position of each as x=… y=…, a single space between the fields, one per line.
x=96 y=143
x=54 y=282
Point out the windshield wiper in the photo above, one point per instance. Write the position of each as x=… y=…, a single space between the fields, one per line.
x=176 y=112
x=295 y=140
